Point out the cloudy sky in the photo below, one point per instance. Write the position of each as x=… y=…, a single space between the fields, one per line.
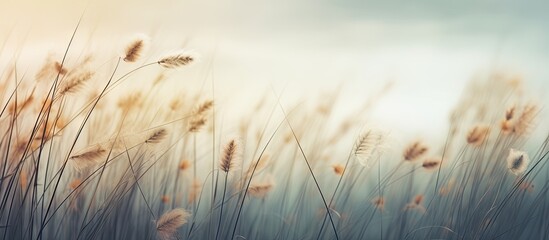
x=429 y=49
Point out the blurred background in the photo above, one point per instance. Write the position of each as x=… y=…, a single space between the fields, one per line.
x=423 y=51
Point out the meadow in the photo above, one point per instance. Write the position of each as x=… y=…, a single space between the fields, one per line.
x=91 y=148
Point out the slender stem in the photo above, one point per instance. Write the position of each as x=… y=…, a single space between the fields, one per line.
x=222 y=204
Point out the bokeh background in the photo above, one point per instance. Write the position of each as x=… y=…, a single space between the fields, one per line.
x=426 y=51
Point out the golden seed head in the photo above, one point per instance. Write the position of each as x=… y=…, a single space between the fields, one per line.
x=338 y=169
x=184 y=164
x=477 y=135
x=415 y=151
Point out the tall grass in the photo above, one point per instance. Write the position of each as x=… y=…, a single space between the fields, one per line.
x=84 y=158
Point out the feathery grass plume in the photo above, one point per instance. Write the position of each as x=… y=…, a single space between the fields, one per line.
x=258 y=165
x=416 y=204
x=61 y=121
x=159 y=78
x=48 y=130
x=75 y=183
x=338 y=168
x=506 y=126
x=184 y=165
x=13 y=108
x=135 y=49
x=75 y=81
x=92 y=96
x=517 y=161
x=509 y=113
x=379 y=203
x=157 y=136
x=431 y=163
x=89 y=157
x=43 y=105
x=413 y=206
x=198 y=119
x=76 y=197
x=527 y=186
x=477 y=135
x=130 y=101
x=19 y=148
x=195 y=124
x=169 y=222
x=48 y=69
x=415 y=151
x=230 y=156
x=178 y=59
x=444 y=190
x=367 y=146
x=288 y=137
x=525 y=120
x=418 y=199
x=203 y=107
x=175 y=104
x=260 y=190
x=59 y=68
x=23 y=179
x=507 y=123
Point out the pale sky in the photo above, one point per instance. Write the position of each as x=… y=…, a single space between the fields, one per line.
x=430 y=49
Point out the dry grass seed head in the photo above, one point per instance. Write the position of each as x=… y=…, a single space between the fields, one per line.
x=89 y=157
x=379 y=203
x=431 y=163
x=413 y=206
x=157 y=136
x=176 y=60
x=175 y=104
x=135 y=48
x=415 y=151
x=509 y=113
x=367 y=146
x=477 y=135
x=517 y=161
x=195 y=124
x=198 y=119
x=506 y=126
x=21 y=105
x=75 y=81
x=258 y=165
x=23 y=179
x=184 y=165
x=260 y=190
x=159 y=78
x=48 y=130
x=445 y=190
x=203 y=107
x=59 y=68
x=48 y=69
x=418 y=199
x=169 y=222
x=130 y=101
x=19 y=148
x=526 y=186
x=230 y=156
x=75 y=183
x=526 y=119
x=338 y=169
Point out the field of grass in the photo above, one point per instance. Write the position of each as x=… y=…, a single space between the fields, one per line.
x=92 y=148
